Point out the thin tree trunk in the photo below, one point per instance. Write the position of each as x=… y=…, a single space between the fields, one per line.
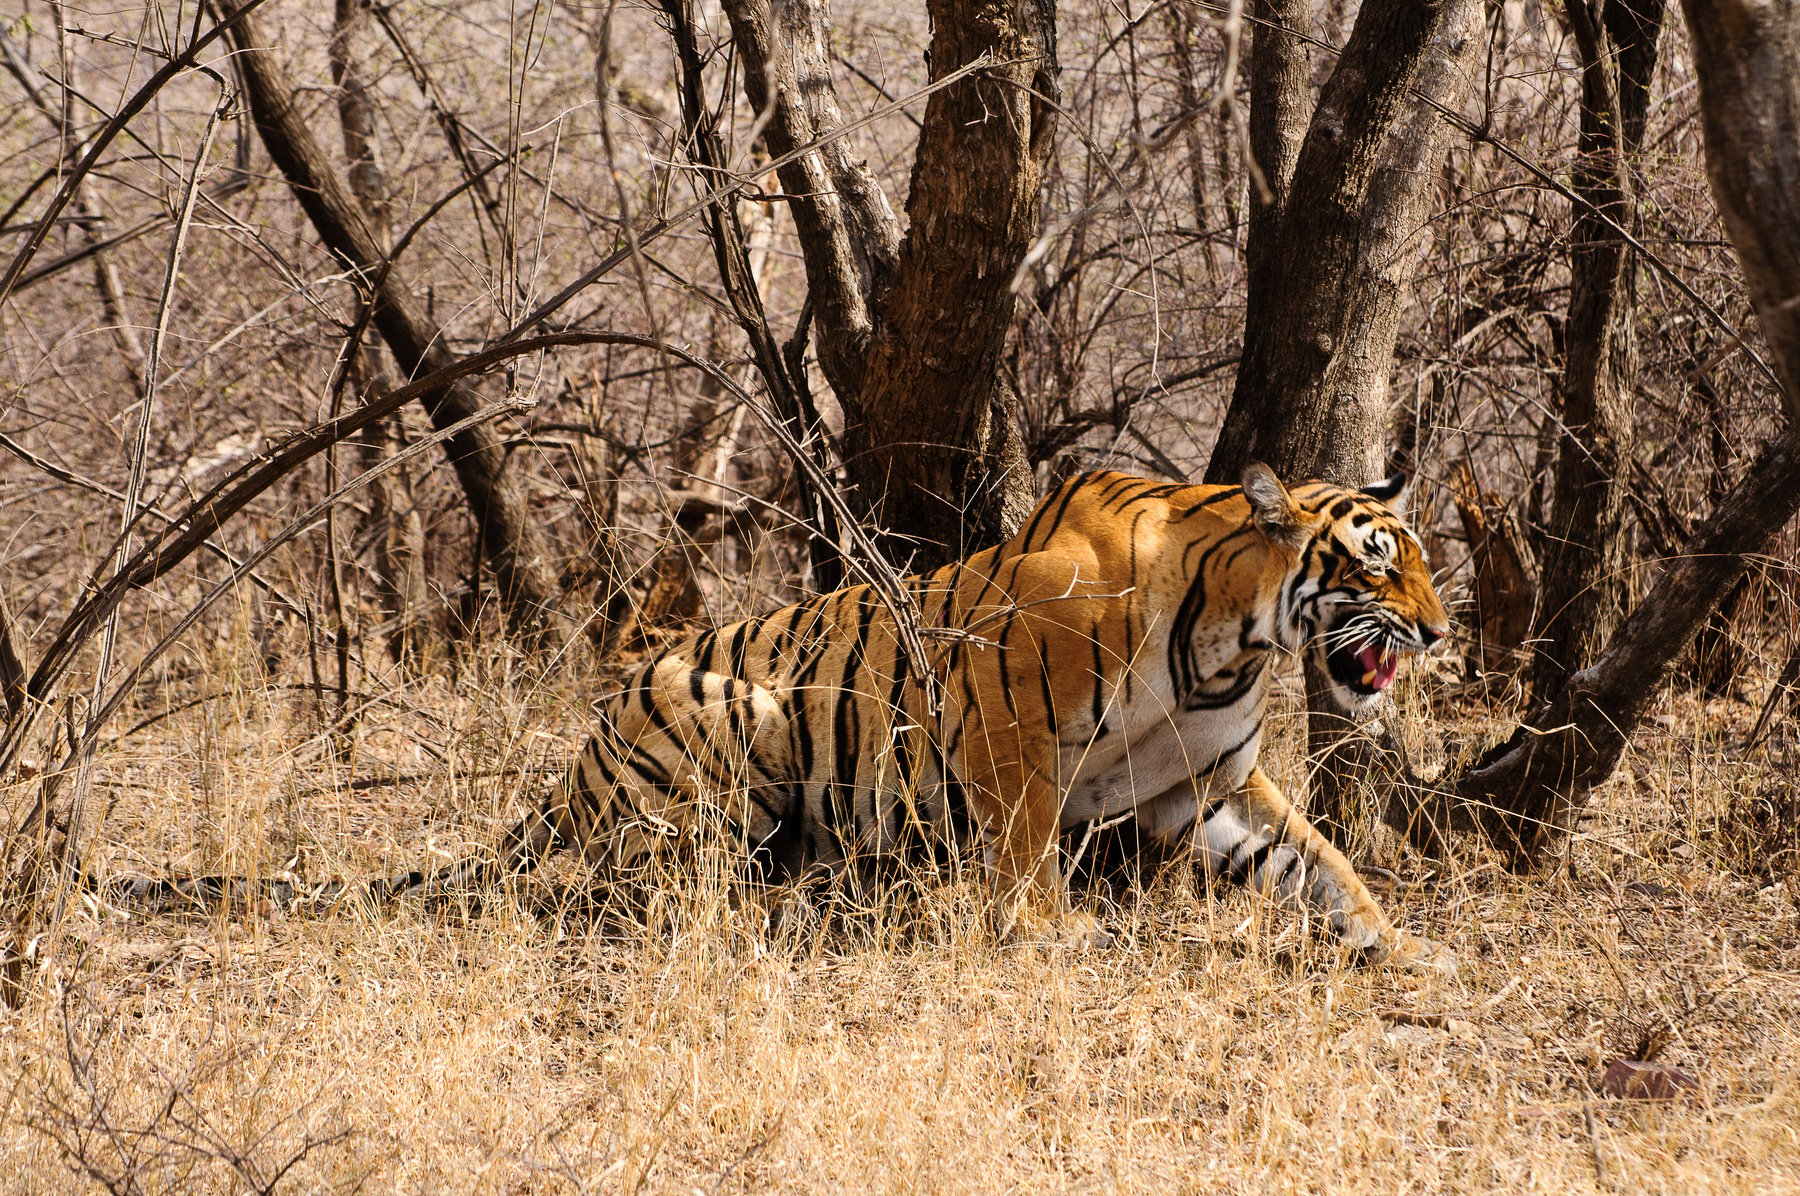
x=1528 y=789
x=739 y=276
x=511 y=542
x=12 y=667
x=911 y=333
x=1214 y=210
x=1717 y=650
x=849 y=234
x=394 y=526
x=1586 y=554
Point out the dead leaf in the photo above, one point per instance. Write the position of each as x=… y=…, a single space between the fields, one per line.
x=1630 y=1079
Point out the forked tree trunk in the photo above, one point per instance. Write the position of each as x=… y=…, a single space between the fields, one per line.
x=1528 y=789
x=910 y=331
x=1586 y=553
x=1337 y=203
x=1333 y=247
x=511 y=542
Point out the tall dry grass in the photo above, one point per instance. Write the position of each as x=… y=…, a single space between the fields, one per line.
x=1220 y=1045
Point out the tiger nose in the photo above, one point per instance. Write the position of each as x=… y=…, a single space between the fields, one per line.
x=1429 y=635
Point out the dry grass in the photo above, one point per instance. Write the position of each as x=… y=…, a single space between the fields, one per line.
x=1217 y=1047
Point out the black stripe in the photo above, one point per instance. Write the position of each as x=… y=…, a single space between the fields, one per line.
x=1229 y=752
x=1241 y=870
x=1068 y=496
x=739 y=646
x=1229 y=492
x=1099 y=710
x=701 y=652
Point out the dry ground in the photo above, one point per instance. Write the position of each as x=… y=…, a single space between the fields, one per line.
x=1217 y=1047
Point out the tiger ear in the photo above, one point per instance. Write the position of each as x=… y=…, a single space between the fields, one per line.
x=1273 y=509
x=1387 y=491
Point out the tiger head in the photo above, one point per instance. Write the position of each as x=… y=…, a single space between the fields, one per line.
x=1363 y=596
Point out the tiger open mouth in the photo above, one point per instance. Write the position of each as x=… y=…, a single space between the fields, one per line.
x=1367 y=669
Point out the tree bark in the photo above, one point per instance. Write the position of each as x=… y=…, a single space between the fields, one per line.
x=1528 y=789
x=510 y=539
x=1280 y=100
x=1326 y=270
x=1586 y=554
x=1747 y=54
x=1354 y=436
x=911 y=332
x=1337 y=205
x=849 y=235
x=394 y=526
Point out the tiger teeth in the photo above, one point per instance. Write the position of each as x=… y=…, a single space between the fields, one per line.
x=1369 y=679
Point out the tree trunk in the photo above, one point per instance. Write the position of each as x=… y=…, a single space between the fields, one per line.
x=1327 y=263
x=394 y=526
x=1747 y=57
x=1336 y=207
x=910 y=333
x=1586 y=554
x=511 y=541
x=1747 y=54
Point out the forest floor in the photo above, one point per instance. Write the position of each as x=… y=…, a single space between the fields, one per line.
x=1217 y=1046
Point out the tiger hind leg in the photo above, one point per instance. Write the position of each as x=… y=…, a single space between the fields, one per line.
x=1029 y=893
x=678 y=747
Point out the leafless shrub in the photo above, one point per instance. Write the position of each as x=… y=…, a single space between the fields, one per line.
x=132 y=1120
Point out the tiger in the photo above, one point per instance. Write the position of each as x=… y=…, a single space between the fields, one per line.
x=1114 y=657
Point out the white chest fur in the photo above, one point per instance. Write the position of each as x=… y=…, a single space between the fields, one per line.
x=1154 y=745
